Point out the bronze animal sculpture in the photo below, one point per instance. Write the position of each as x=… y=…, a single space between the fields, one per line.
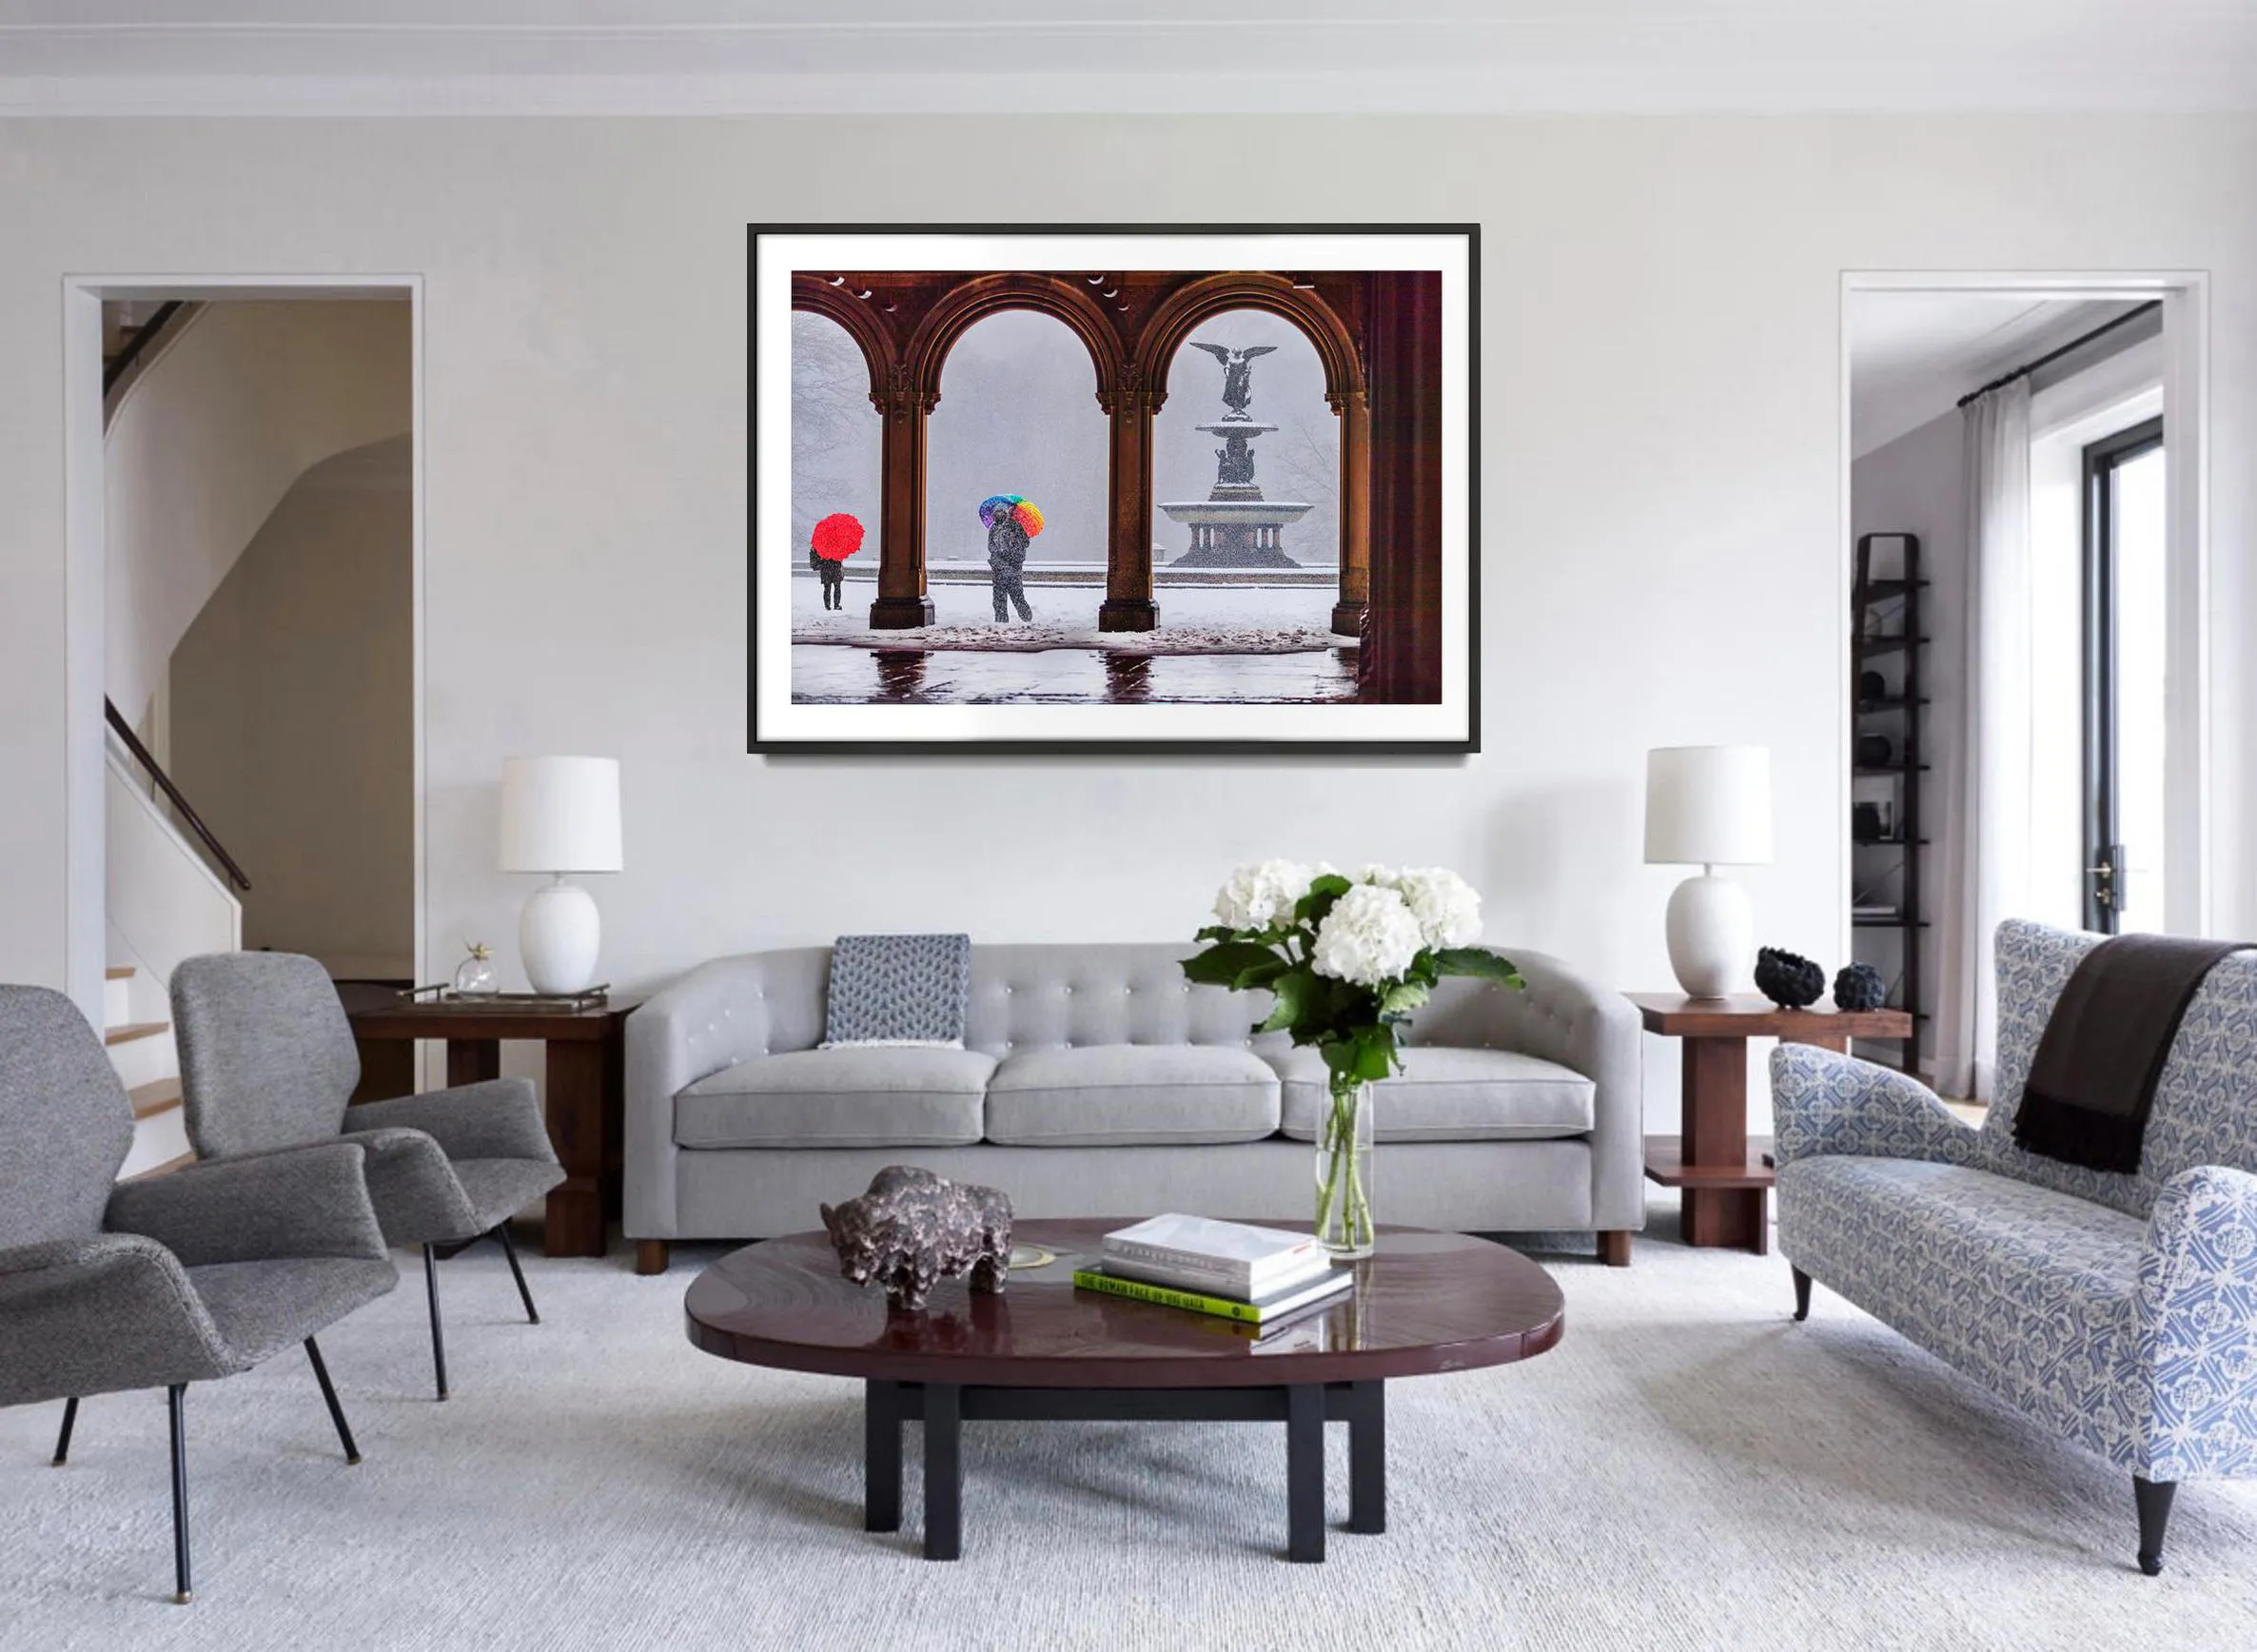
x=912 y=1228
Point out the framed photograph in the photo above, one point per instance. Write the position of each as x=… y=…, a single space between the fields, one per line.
x=1114 y=488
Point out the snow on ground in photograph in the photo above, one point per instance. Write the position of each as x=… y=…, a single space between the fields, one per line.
x=1243 y=620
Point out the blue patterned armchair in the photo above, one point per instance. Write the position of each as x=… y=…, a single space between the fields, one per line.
x=2118 y=1310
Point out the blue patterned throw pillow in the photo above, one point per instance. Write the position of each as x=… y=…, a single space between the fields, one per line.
x=898 y=990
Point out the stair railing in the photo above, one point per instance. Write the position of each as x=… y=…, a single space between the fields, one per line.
x=142 y=754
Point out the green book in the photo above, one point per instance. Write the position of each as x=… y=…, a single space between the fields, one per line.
x=1263 y=1312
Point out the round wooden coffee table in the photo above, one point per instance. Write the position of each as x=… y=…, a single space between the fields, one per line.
x=1043 y=1351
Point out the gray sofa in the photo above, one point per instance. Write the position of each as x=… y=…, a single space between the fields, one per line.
x=1096 y=1081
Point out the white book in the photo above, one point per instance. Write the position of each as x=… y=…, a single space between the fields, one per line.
x=1247 y=1260
x=1214 y=1281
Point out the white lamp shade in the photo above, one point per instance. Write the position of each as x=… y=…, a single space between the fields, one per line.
x=1707 y=806
x=560 y=814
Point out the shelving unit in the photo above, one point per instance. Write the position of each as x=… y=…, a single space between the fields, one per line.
x=1886 y=635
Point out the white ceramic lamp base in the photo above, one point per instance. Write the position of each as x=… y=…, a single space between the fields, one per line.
x=558 y=936
x=1711 y=935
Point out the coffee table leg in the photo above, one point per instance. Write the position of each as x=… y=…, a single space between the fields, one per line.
x=944 y=1471
x=1368 y=1457
x=881 y=1456
x=1305 y=1471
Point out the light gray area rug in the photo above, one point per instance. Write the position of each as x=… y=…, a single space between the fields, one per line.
x=1688 y=1469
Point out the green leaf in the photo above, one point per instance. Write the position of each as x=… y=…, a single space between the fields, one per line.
x=1481 y=963
x=1409 y=994
x=1375 y=1054
x=1221 y=964
x=1261 y=974
x=1310 y=909
x=1296 y=995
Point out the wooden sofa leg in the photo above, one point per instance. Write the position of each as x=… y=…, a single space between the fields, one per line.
x=2154 y=1498
x=1614 y=1247
x=1802 y=1294
x=652 y=1255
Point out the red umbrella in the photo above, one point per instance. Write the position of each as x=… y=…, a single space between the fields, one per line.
x=838 y=536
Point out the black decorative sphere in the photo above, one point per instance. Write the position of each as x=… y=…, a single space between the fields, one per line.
x=1787 y=980
x=1859 y=987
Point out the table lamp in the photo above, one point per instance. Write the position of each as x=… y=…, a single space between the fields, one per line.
x=1709 y=806
x=561 y=816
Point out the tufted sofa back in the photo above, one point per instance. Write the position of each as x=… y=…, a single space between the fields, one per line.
x=1060 y=996
x=2205 y=1104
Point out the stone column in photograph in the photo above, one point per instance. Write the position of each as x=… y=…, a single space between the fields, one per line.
x=902 y=604
x=1128 y=605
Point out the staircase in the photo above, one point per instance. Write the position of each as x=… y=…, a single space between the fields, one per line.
x=147 y=1062
x=173 y=891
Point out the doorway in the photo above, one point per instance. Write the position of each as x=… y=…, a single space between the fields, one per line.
x=2040 y=438
x=342 y=470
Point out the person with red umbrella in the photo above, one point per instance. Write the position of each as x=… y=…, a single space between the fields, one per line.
x=1011 y=521
x=837 y=538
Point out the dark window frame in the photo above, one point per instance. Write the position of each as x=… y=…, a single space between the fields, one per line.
x=2103 y=836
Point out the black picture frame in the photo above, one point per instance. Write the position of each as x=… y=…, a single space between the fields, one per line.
x=1467 y=743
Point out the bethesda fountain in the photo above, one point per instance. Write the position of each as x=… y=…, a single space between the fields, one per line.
x=1234 y=526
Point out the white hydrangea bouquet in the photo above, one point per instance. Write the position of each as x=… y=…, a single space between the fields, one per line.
x=1346 y=960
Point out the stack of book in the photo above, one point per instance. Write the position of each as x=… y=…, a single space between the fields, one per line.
x=1257 y=1276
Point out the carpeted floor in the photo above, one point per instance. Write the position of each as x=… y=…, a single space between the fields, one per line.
x=1688 y=1469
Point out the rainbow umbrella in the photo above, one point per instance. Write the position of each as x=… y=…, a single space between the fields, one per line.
x=1021 y=509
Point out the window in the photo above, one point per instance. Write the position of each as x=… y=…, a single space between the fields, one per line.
x=2123 y=674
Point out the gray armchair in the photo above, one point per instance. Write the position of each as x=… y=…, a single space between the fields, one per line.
x=267 y=1061
x=194 y=1275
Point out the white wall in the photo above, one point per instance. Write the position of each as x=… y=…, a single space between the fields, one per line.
x=1661 y=486
x=206 y=438
x=293 y=715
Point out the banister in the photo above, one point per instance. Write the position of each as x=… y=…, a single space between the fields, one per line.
x=195 y=821
x=144 y=336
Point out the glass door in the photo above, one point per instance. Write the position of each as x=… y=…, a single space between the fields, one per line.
x=2124 y=669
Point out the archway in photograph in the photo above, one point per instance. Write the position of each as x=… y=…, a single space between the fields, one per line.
x=1016 y=476
x=837 y=475
x=1245 y=479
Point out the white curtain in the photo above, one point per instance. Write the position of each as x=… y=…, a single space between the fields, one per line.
x=1983 y=832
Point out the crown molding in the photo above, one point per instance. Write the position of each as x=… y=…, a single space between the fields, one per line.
x=1552 y=92
x=870 y=57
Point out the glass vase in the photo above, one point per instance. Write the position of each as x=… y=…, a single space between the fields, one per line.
x=475 y=976
x=1344 y=1172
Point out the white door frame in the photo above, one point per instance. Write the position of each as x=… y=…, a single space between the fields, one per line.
x=84 y=945
x=2191 y=880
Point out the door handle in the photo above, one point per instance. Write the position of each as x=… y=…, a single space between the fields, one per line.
x=2103 y=877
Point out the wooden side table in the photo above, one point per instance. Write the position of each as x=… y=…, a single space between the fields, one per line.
x=585 y=1092
x=1725 y=1181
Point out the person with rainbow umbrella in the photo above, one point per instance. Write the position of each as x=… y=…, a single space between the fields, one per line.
x=1011 y=521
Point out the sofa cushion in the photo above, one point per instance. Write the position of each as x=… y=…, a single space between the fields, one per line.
x=889 y=1096
x=2028 y=1290
x=1449 y=1095
x=1122 y=1094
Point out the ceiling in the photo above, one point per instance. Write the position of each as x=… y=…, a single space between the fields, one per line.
x=1913 y=354
x=666 y=56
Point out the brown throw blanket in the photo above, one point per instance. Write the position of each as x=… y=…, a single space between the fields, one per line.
x=2092 y=1081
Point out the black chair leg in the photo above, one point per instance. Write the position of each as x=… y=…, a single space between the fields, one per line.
x=321 y=1375
x=2154 y=1498
x=1803 y=1296
x=437 y=1336
x=63 y=1440
x=180 y=1495
x=509 y=1249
